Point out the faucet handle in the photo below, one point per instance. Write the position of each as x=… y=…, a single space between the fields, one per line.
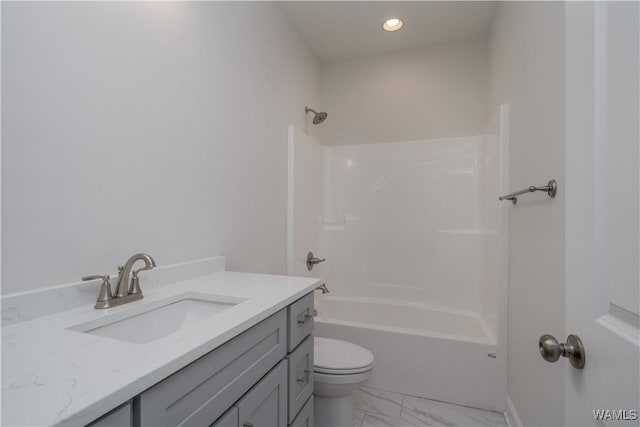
x=106 y=277
x=134 y=288
x=105 y=297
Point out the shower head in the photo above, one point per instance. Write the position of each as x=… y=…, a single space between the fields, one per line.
x=317 y=117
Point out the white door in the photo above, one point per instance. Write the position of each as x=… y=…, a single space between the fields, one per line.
x=602 y=211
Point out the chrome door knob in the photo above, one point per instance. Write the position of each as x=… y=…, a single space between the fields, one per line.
x=551 y=350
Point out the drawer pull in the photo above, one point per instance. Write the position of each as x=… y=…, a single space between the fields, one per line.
x=247 y=424
x=304 y=319
x=305 y=378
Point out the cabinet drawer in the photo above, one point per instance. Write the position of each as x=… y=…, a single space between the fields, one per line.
x=266 y=404
x=201 y=392
x=305 y=416
x=300 y=376
x=300 y=320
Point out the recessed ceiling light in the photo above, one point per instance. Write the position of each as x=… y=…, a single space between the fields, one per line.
x=392 y=24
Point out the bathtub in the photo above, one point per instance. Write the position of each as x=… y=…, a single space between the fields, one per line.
x=420 y=350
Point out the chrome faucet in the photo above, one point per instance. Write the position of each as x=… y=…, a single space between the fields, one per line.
x=123 y=289
x=124 y=292
x=322 y=288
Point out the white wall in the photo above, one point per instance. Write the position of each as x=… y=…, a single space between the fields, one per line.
x=157 y=127
x=527 y=71
x=433 y=92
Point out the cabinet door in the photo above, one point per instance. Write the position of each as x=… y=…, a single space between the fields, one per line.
x=229 y=419
x=305 y=416
x=265 y=405
x=300 y=376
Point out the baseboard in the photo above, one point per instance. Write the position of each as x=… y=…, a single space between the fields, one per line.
x=511 y=415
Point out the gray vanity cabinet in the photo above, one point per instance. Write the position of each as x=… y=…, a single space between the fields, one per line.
x=261 y=378
x=201 y=392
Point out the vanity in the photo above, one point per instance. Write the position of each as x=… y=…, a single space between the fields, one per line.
x=241 y=355
x=262 y=377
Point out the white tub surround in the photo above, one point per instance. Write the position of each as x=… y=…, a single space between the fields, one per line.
x=420 y=222
x=414 y=240
x=73 y=377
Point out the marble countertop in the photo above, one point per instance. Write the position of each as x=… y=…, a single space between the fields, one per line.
x=55 y=376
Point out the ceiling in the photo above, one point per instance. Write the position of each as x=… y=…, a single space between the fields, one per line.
x=337 y=30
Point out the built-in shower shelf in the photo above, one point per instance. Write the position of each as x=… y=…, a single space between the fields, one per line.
x=338 y=223
x=334 y=221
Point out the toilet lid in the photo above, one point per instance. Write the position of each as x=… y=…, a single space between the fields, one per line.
x=340 y=357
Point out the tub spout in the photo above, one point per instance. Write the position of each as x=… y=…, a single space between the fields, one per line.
x=323 y=288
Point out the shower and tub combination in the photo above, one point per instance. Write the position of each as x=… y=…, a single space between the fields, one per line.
x=415 y=242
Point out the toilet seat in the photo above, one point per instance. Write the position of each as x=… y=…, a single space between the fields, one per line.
x=336 y=357
x=327 y=371
x=339 y=380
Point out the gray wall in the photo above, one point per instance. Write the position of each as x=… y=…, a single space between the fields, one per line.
x=436 y=91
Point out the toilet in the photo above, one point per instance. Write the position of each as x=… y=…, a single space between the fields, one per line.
x=340 y=368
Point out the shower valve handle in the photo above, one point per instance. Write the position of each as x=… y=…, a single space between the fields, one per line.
x=311 y=261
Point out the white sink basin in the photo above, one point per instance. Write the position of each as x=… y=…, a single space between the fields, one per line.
x=150 y=322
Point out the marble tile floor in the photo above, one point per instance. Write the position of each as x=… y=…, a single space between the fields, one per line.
x=380 y=408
